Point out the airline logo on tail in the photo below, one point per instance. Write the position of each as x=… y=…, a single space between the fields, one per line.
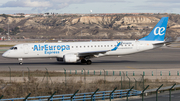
x=159 y=31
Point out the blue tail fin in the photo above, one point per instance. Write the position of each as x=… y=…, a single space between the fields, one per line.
x=159 y=31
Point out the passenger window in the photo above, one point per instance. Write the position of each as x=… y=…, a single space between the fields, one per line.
x=72 y=46
x=107 y=45
x=84 y=46
x=76 y=46
x=104 y=45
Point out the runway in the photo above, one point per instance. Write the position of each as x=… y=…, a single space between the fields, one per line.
x=161 y=58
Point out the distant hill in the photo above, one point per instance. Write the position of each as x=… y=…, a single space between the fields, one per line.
x=89 y=27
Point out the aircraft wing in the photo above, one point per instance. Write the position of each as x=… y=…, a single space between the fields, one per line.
x=90 y=53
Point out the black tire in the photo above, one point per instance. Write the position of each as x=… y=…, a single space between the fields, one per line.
x=89 y=62
x=20 y=63
x=83 y=61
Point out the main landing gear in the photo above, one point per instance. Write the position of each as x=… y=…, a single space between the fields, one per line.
x=88 y=62
x=20 y=61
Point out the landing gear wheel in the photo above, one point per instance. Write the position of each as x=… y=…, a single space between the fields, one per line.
x=83 y=61
x=89 y=62
x=20 y=63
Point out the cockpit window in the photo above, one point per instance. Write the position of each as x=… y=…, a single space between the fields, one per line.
x=13 y=48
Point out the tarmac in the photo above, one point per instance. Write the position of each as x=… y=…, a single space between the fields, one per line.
x=162 y=63
x=161 y=58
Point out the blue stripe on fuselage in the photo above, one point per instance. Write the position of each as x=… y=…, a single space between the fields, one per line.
x=115 y=48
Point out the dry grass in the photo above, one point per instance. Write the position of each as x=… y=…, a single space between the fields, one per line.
x=36 y=73
x=16 y=89
x=36 y=88
x=46 y=87
x=6 y=45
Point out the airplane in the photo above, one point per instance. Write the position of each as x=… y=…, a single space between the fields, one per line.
x=72 y=52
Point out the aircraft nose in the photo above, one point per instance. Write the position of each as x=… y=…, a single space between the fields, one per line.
x=5 y=54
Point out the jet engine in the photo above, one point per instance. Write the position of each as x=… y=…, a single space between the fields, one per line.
x=70 y=58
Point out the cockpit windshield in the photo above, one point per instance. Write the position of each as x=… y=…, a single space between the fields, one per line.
x=13 y=48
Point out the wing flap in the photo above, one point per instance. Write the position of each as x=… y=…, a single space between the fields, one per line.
x=90 y=53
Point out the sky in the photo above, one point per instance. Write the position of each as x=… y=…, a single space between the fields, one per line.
x=84 y=6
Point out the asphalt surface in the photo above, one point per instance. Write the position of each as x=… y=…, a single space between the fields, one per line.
x=161 y=58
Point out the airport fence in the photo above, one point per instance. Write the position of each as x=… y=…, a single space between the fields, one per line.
x=98 y=95
x=125 y=79
x=20 y=83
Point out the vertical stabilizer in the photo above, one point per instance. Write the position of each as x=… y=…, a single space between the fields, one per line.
x=158 y=32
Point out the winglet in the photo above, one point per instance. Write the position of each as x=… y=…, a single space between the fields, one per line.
x=158 y=32
x=115 y=48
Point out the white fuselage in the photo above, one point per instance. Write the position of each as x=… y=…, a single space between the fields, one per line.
x=58 y=50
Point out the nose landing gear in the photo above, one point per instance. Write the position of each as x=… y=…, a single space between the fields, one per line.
x=20 y=61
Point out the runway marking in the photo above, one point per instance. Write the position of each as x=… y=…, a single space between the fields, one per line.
x=131 y=67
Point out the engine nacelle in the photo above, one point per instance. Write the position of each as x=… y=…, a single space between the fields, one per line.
x=70 y=58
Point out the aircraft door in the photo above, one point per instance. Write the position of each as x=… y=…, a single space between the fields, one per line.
x=25 y=46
